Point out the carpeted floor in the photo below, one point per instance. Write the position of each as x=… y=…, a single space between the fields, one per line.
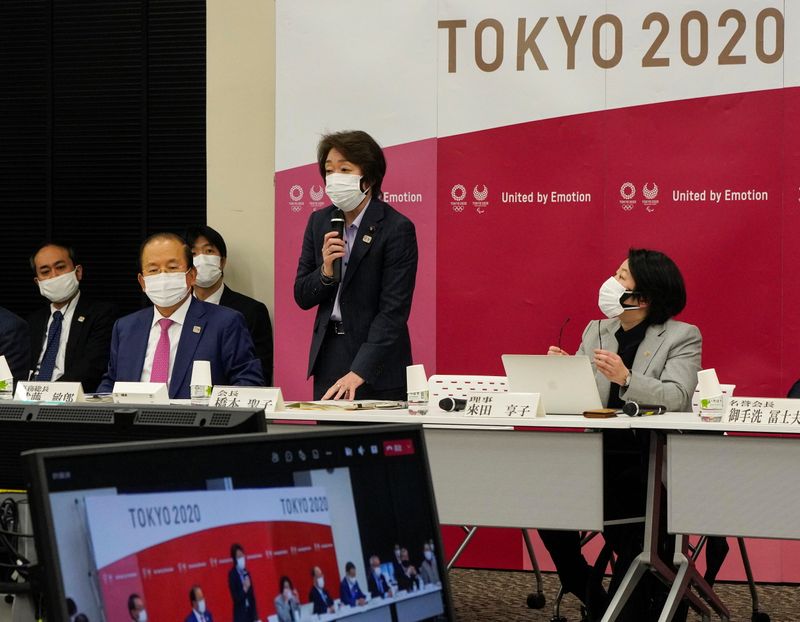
x=488 y=595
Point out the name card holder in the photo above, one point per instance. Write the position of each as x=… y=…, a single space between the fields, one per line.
x=34 y=391
x=491 y=408
x=268 y=398
x=763 y=412
x=140 y=393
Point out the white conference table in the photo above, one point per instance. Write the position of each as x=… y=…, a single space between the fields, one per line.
x=543 y=472
x=407 y=606
x=543 y=475
x=719 y=484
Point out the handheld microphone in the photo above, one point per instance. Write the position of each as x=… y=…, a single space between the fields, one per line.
x=634 y=409
x=337 y=225
x=452 y=404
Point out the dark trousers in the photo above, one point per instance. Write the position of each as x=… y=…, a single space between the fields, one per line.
x=333 y=362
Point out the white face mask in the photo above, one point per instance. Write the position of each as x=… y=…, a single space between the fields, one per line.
x=59 y=288
x=429 y=555
x=240 y=562
x=344 y=190
x=287 y=594
x=166 y=288
x=351 y=580
x=321 y=582
x=143 y=615
x=208 y=269
x=611 y=293
x=201 y=605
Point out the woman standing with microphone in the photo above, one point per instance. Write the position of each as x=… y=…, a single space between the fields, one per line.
x=362 y=282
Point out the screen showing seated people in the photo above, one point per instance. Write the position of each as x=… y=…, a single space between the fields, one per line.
x=283 y=528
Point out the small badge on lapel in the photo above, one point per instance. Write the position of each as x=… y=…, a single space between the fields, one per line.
x=368 y=235
x=647 y=354
x=82 y=318
x=196 y=329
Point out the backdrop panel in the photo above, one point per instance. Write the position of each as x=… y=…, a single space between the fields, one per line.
x=542 y=142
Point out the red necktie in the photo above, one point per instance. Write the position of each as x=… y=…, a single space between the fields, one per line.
x=160 y=370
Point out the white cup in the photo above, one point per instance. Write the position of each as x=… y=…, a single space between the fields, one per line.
x=201 y=382
x=416 y=379
x=708 y=383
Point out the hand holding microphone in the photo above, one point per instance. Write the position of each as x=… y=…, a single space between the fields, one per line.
x=333 y=247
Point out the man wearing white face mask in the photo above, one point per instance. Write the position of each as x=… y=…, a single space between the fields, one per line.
x=71 y=337
x=360 y=347
x=200 y=612
x=160 y=343
x=210 y=257
x=136 y=610
x=323 y=603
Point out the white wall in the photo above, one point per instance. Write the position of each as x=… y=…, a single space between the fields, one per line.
x=240 y=124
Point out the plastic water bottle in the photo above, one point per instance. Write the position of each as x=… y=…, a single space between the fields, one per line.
x=7 y=389
x=418 y=402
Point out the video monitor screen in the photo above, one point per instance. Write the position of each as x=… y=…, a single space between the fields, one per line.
x=279 y=528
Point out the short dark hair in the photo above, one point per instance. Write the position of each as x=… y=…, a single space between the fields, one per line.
x=358 y=148
x=72 y=608
x=67 y=247
x=192 y=591
x=81 y=617
x=284 y=579
x=132 y=601
x=204 y=231
x=349 y=566
x=234 y=548
x=165 y=235
x=658 y=282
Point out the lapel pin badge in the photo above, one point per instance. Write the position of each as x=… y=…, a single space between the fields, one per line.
x=367 y=238
x=196 y=329
x=81 y=318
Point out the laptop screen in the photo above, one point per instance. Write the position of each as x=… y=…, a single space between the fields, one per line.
x=320 y=526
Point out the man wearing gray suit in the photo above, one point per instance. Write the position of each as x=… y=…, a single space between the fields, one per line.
x=638 y=354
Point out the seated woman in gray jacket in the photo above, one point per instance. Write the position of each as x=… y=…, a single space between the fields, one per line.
x=639 y=353
x=287 y=602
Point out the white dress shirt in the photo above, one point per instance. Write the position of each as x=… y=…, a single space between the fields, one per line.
x=349 y=240
x=178 y=319
x=67 y=311
x=216 y=296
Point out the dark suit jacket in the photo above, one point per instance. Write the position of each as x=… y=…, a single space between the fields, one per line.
x=256 y=317
x=321 y=603
x=89 y=343
x=403 y=582
x=349 y=596
x=222 y=339
x=15 y=343
x=244 y=603
x=377 y=590
x=376 y=293
x=193 y=618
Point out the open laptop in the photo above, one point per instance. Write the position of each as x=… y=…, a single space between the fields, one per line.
x=566 y=383
x=155 y=519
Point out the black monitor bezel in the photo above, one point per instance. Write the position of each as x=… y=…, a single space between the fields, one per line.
x=113 y=423
x=42 y=519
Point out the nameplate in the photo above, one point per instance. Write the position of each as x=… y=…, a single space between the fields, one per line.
x=268 y=398
x=140 y=393
x=762 y=411
x=489 y=407
x=33 y=391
